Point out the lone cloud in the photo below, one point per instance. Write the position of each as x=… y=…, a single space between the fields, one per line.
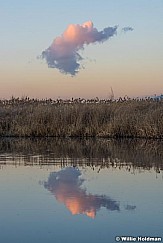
x=63 y=52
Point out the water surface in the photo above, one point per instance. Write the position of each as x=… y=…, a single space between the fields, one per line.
x=80 y=190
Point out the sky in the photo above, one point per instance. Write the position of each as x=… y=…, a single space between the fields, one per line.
x=129 y=62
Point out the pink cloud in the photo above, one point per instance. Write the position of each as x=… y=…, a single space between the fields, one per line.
x=63 y=53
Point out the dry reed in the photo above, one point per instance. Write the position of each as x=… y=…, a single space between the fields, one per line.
x=81 y=118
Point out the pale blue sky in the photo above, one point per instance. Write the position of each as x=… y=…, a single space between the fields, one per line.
x=131 y=63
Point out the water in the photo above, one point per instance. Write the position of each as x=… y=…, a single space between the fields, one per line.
x=80 y=190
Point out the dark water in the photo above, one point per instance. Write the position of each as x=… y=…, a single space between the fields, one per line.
x=80 y=190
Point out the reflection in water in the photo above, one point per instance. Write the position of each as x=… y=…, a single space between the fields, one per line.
x=132 y=153
x=30 y=215
x=130 y=207
x=66 y=186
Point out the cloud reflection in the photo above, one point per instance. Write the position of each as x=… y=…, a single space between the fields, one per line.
x=66 y=186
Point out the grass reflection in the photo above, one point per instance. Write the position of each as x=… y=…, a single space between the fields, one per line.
x=115 y=153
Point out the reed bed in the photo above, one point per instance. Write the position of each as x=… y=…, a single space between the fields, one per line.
x=129 y=118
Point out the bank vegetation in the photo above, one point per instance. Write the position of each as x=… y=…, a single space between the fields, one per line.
x=129 y=118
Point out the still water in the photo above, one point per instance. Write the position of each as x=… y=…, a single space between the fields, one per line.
x=73 y=190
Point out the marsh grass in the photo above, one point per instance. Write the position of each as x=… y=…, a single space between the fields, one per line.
x=81 y=118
